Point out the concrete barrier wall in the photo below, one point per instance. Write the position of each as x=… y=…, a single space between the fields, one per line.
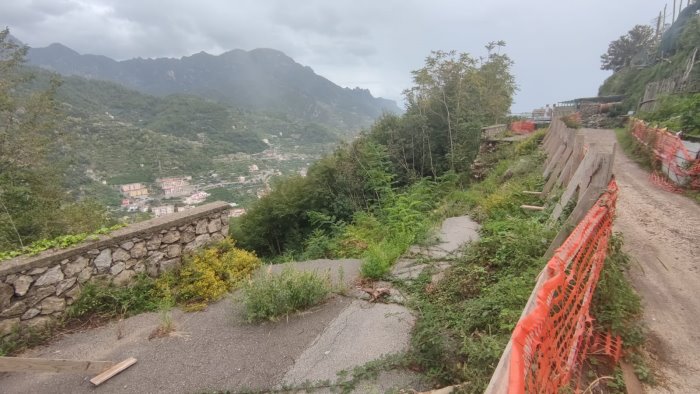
x=36 y=289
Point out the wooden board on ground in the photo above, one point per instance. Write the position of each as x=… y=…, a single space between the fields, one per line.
x=105 y=369
x=101 y=378
x=21 y=364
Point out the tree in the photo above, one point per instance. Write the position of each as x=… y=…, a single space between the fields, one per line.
x=639 y=40
x=33 y=202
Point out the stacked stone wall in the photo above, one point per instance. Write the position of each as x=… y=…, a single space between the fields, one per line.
x=36 y=289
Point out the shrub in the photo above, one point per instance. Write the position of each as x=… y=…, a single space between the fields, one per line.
x=269 y=296
x=208 y=274
x=107 y=300
x=379 y=257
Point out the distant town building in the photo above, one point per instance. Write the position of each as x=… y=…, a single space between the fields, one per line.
x=236 y=212
x=196 y=198
x=184 y=208
x=162 y=210
x=253 y=168
x=175 y=186
x=126 y=202
x=241 y=179
x=131 y=190
x=303 y=171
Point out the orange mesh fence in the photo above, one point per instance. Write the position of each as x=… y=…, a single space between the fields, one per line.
x=550 y=343
x=663 y=183
x=680 y=163
x=522 y=127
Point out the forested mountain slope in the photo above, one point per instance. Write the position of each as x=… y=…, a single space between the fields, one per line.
x=264 y=80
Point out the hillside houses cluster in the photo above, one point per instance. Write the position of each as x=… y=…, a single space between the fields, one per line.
x=138 y=198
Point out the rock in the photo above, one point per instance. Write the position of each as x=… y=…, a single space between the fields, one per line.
x=15 y=309
x=155 y=258
x=30 y=313
x=214 y=225
x=93 y=252
x=139 y=250
x=201 y=240
x=52 y=276
x=10 y=279
x=188 y=234
x=6 y=292
x=40 y=294
x=153 y=262
x=73 y=294
x=396 y=297
x=124 y=277
x=38 y=323
x=173 y=250
x=85 y=275
x=37 y=271
x=140 y=268
x=71 y=269
x=201 y=226
x=224 y=230
x=154 y=242
x=7 y=326
x=217 y=237
x=22 y=284
x=117 y=268
x=65 y=285
x=120 y=255
x=103 y=261
x=188 y=248
x=152 y=271
x=127 y=245
x=52 y=304
x=130 y=263
x=169 y=265
x=171 y=237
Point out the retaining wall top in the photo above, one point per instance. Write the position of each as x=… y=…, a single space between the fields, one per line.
x=137 y=230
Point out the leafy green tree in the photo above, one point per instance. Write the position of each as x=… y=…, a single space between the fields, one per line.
x=33 y=203
x=639 y=40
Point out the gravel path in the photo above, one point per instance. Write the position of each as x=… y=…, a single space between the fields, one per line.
x=662 y=234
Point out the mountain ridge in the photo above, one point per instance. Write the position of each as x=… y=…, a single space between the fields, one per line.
x=262 y=79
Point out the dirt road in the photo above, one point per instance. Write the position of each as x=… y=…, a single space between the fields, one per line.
x=662 y=235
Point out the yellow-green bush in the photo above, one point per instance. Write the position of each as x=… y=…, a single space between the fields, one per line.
x=207 y=275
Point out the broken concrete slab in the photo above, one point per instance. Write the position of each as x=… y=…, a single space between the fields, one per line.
x=361 y=333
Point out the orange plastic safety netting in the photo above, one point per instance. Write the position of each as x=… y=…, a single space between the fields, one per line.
x=551 y=341
x=681 y=164
x=522 y=127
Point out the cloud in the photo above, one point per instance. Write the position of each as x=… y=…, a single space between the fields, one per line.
x=367 y=43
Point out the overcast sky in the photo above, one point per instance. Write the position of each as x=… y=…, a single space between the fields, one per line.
x=373 y=44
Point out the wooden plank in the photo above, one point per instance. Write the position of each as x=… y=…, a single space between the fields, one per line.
x=532 y=207
x=565 y=162
x=590 y=196
x=104 y=376
x=632 y=384
x=22 y=364
x=580 y=181
x=576 y=159
x=554 y=161
x=552 y=179
x=532 y=193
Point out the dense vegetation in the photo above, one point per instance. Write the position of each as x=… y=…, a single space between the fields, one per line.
x=657 y=59
x=33 y=199
x=370 y=196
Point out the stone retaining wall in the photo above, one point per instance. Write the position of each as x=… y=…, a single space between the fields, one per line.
x=35 y=289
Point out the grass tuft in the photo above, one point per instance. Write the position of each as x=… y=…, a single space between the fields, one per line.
x=270 y=296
